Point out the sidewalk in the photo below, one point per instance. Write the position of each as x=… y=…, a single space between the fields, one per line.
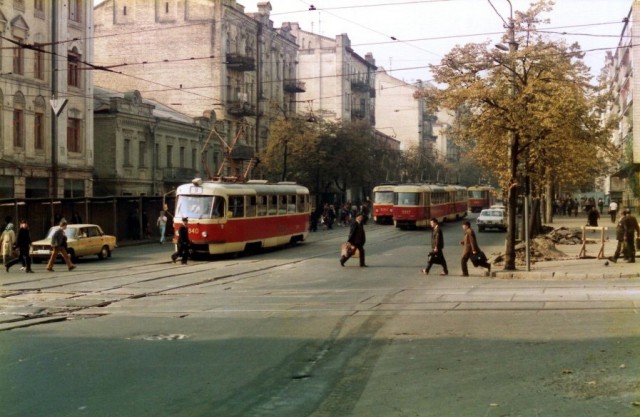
x=572 y=267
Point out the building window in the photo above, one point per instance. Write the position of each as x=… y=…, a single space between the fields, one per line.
x=169 y=152
x=18 y=59
x=38 y=5
x=141 y=154
x=182 y=161
x=74 y=10
x=18 y=128
x=193 y=158
x=73 y=188
x=73 y=68
x=73 y=135
x=38 y=131
x=127 y=153
x=38 y=62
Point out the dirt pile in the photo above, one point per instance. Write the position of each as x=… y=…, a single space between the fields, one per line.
x=543 y=247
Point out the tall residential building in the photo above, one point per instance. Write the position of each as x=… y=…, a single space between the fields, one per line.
x=200 y=56
x=340 y=84
x=624 y=181
x=45 y=99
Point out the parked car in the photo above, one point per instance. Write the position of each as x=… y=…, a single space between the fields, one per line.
x=492 y=218
x=82 y=240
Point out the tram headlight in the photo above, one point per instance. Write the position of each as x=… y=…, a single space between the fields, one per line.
x=205 y=234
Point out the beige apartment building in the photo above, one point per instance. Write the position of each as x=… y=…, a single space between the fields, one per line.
x=146 y=148
x=339 y=83
x=201 y=57
x=623 y=184
x=45 y=90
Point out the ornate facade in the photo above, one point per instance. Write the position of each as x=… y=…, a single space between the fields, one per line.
x=45 y=99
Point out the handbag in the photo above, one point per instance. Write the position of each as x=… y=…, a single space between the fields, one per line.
x=478 y=258
x=435 y=258
x=346 y=250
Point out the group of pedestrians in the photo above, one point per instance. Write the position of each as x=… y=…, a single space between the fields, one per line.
x=16 y=246
x=471 y=250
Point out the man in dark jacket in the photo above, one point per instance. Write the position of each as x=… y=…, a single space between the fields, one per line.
x=357 y=239
x=619 y=238
x=437 y=244
x=631 y=227
x=183 y=242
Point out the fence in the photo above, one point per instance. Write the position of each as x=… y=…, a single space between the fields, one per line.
x=128 y=218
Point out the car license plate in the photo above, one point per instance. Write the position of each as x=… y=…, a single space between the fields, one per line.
x=42 y=252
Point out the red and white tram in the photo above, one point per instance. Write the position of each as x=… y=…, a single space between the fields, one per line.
x=383 y=203
x=233 y=217
x=415 y=204
x=481 y=197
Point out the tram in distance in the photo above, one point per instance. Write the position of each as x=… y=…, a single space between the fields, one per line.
x=383 y=203
x=414 y=205
x=481 y=197
x=234 y=217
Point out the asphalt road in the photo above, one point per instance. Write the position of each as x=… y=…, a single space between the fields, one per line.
x=291 y=333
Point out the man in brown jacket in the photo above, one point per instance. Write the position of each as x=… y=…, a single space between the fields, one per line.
x=470 y=248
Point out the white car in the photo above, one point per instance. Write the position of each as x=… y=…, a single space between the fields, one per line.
x=492 y=218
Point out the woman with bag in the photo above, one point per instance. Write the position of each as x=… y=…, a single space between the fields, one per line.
x=23 y=242
x=471 y=250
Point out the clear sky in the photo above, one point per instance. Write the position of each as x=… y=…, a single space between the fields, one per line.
x=427 y=29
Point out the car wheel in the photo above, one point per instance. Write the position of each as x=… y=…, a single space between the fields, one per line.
x=104 y=252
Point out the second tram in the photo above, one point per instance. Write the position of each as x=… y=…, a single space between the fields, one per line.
x=480 y=197
x=383 y=204
x=234 y=217
x=415 y=204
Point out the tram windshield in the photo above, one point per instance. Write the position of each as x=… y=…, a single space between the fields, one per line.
x=477 y=194
x=407 y=199
x=200 y=206
x=383 y=197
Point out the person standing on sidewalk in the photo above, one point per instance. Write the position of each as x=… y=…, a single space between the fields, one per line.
x=59 y=246
x=7 y=242
x=437 y=244
x=470 y=248
x=183 y=242
x=162 y=225
x=613 y=210
x=631 y=228
x=23 y=242
x=619 y=238
x=357 y=239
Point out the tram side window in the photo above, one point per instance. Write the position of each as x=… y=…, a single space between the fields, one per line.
x=218 y=207
x=262 y=205
x=301 y=203
x=273 y=205
x=291 y=204
x=236 y=206
x=251 y=206
x=282 y=207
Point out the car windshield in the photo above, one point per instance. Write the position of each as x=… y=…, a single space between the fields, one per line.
x=491 y=213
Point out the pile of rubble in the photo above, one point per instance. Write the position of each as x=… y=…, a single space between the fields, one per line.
x=543 y=247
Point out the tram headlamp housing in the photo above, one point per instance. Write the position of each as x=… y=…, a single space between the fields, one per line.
x=205 y=234
x=197 y=182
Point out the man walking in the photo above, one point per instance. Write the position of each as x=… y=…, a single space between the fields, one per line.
x=357 y=239
x=183 y=242
x=630 y=224
x=23 y=241
x=59 y=247
x=470 y=249
x=437 y=244
x=619 y=238
x=613 y=210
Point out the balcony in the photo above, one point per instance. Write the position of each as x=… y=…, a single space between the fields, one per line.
x=294 y=86
x=361 y=86
x=357 y=114
x=178 y=174
x=240 y=63
x=241 y=108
